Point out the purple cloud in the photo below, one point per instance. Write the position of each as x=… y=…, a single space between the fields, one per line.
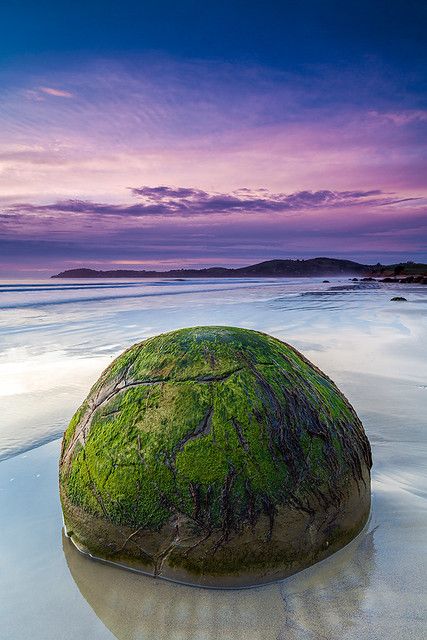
x=163 y=193
x=187 y=201
x=179 y=202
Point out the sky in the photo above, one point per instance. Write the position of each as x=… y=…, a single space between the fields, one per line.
x=162 y=134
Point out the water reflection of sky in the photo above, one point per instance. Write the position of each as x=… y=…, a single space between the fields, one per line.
x=330 y=596
x=56 y=337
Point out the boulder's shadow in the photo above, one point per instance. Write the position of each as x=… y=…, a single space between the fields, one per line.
x=320 y=602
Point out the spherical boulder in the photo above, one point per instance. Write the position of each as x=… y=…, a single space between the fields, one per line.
x=214 y=456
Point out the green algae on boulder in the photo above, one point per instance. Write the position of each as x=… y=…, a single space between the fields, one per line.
x=215 y=456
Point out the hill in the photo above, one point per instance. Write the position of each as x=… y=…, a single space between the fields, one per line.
x=270 y=268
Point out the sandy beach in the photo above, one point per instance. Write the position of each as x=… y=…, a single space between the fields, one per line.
x=376 y=352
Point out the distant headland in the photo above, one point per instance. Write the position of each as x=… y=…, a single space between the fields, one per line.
x=312 y=267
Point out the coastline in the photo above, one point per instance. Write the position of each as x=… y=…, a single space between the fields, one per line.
x=320 y=267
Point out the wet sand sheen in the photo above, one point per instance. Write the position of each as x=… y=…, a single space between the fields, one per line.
x=374 y=587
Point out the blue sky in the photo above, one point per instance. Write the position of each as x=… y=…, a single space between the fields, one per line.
x=282 y=34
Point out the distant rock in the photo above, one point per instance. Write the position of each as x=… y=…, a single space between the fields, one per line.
x=400 y=270
x=325 y=281
x=398 y=299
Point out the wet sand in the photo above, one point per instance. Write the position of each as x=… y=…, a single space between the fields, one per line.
x=373 y=588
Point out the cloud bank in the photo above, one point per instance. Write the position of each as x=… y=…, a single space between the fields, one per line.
x=183 y=202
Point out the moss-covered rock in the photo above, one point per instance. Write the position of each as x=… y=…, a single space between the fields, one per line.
x=214 y=455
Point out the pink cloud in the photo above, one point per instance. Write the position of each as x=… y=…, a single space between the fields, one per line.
x=58 y=93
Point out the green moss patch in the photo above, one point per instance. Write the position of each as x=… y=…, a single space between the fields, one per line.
x=219 y=424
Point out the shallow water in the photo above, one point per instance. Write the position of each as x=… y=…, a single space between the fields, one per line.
x=56 y=336
x=54 y=343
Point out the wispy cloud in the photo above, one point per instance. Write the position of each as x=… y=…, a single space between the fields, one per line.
x=401 y=118
x=58 y=93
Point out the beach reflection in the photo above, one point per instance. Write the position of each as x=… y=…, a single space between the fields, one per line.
x=327 y=600
x=321 y=602
x=136 y=606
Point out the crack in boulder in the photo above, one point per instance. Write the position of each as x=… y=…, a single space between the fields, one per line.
x=82 y=429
